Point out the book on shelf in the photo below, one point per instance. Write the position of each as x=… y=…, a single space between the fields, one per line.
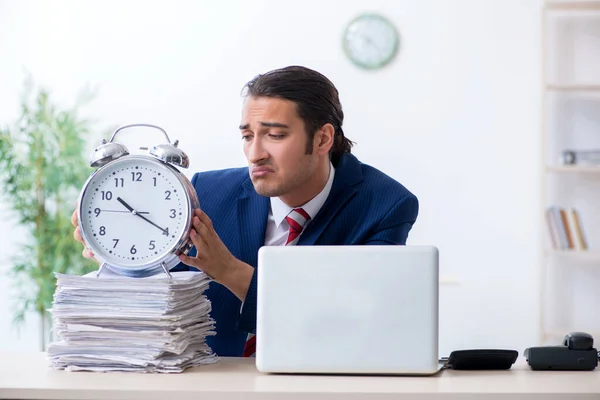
x=565 y=229
x=581 y=157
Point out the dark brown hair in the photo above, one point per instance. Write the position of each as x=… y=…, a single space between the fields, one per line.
x=317 y=101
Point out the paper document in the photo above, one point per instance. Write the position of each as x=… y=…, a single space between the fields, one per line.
x=118 y=323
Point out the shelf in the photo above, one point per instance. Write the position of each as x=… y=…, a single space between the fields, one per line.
x=570 y=83
x=580 y=255
x=574 y=88
x=573 y=5
x=574 y=169
x=445 y=281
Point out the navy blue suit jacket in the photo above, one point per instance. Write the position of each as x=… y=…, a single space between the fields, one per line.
x=364 y=207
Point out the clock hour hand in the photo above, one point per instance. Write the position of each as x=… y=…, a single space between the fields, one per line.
x=127 y=206
x=134 y=212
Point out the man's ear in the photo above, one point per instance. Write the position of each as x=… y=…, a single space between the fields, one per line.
x=324 y=139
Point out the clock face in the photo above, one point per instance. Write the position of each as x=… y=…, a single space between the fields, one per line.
x=370 y=41
x=133 y=212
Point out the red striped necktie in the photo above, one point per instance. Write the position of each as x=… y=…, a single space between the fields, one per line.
x=297 y=219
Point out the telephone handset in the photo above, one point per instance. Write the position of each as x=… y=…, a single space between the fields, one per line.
x=577 y=352
x=579 y=341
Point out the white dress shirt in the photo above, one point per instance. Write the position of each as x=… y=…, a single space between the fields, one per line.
x=278 y=227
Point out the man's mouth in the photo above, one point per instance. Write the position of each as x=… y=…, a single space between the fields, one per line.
x=261 y=171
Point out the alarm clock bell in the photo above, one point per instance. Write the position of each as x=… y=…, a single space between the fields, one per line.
x=166 y=152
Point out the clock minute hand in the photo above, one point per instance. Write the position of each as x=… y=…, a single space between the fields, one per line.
x=134 y=212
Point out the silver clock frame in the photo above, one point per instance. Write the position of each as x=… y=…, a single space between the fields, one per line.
x=109 y=154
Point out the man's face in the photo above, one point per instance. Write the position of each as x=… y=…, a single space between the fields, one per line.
x=275 y=145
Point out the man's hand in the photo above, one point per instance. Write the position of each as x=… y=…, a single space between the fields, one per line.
x=77 y=234
x=214 y=259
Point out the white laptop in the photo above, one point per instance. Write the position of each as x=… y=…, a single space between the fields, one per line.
x=348 y=310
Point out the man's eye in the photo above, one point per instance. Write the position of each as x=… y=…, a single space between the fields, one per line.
x=274 y=136
x=246 y=137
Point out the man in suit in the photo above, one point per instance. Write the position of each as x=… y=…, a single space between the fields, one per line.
x=302 y=186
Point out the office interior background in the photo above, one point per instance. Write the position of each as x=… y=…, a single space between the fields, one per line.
x=460 y=117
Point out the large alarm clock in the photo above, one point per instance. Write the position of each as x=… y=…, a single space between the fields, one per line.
x=135 y=211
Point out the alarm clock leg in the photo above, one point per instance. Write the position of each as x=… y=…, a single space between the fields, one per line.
x=100 y=269
x=164 y=267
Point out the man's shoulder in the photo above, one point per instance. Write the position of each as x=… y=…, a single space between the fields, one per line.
x=379 y=182
x=376 y=182
x=230 y=177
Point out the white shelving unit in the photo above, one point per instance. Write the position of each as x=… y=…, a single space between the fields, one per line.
x=571 y=121
x=577 y=256
x=568 y=169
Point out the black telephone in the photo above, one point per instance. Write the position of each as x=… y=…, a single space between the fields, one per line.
x=577 y=352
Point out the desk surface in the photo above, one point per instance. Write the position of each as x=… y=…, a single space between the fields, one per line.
x=27 y=376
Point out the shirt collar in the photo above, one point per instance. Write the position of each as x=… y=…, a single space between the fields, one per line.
x=280 y=210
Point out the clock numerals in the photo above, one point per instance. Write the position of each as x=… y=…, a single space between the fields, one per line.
x=106 y=195
x=117 y=207
x=133 y=249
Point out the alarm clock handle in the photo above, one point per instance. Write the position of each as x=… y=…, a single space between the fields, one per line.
x=166 y=152
x=140 y=125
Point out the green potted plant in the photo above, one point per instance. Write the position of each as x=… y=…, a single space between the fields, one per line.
x=42 y=169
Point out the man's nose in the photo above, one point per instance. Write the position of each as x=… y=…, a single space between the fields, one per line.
x=257 y=151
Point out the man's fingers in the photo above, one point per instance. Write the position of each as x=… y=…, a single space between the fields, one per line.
x=74 y=218
x=193 y=262
x=199 y=242
x=202 y=229
x=187 y=260
x=204 y=218
x=190 y=261
x=88 y=254
x=200 y=235
x=77 y=235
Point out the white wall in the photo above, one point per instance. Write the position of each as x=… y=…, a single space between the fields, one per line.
x=455 y=118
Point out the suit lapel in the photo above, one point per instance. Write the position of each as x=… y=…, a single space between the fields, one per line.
x=348 y=175
x=252 y=215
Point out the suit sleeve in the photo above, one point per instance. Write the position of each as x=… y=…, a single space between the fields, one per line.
x=396 y=224
x=247 y=316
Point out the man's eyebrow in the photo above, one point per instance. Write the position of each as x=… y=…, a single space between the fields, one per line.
x=266 y=124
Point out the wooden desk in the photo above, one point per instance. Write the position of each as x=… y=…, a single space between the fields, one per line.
x=27 y=376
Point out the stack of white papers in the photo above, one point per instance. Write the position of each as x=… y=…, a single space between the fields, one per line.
x=118 y=323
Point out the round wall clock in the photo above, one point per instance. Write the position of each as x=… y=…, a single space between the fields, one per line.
x=370 y=41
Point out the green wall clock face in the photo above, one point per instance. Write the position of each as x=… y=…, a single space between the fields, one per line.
x=370 y=41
